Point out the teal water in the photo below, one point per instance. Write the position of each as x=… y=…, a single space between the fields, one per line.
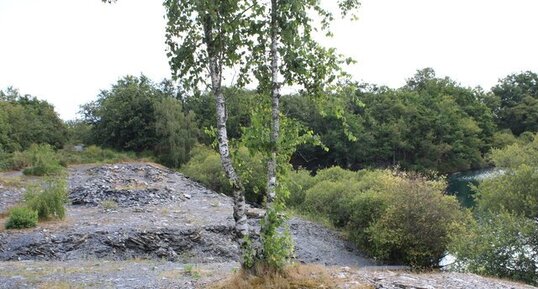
x=460 y=184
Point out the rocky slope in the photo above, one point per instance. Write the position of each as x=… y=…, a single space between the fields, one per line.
x=139 y=225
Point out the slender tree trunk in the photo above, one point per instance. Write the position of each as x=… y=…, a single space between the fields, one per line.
x=215 y=69
x=241 y=226
x=275 y=108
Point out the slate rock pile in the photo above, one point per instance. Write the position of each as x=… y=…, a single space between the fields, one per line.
x=125 y=185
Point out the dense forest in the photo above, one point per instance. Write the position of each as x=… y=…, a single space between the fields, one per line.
x=376 y=156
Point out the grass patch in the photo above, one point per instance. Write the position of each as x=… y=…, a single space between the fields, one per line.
x=15 y=182
x=293 y=277
x=94 y=154
x=48 y=200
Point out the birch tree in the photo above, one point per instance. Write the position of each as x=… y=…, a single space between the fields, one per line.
x=297 y=59
x=204 y=38
x=292 y=57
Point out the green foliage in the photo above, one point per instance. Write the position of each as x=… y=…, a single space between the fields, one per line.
x=429 y=124
x=48 y=200
x=21 y=217
x=205 y=167
x=516 y=190
x=138 y=115
x=299 y=182
x=416 y=226
x=503 y=138
x=93 y=154
x=176 y=132
x=521 y=152
x=277 y=246
x=517 y=108
x=504 y=240
x=393 y=216
x=43 y=161
x=502 y=245
x=25 y=120
x=79 y=132
x=239 y=104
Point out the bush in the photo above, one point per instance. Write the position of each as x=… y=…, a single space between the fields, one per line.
x=93 y=154
x=299 y=182
x=48 y=200
x=416 y=226
x=516 y=191
x=43 y=161
x=504 y=241
x=13 y=161
x=329 y=197
x=393 y=216
x=512 y=156
x=21 y=217
x=205 y=167
x=503 y=245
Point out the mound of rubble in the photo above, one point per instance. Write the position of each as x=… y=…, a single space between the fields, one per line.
x=125 y=185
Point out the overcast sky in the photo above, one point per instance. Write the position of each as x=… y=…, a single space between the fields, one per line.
x=65 y=51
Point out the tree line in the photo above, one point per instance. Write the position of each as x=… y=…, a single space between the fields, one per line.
x=429 y=124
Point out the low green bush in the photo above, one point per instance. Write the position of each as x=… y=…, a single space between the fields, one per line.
x=43 y=161
x=21 y=217
x=13 y=161
x=328 y=197
x=499 y=244
x=299 y=182
x=93 y=154
x=48 y=200
x=417 y=225
x=393 y=216
x=205 y=167
x=503 y=242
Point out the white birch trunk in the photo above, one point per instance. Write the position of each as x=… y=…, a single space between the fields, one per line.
x=241 y=225
x=272 y=164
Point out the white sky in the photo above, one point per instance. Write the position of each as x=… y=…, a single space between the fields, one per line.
x=65 y=51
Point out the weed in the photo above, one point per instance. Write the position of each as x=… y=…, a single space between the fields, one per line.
x=48 y=200
x=21 y=217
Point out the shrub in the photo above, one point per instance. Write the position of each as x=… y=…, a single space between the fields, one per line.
x=365 y=208
x=205 y=167
x=394 y=216
x=93 y=154
x=503 y=245
x=21 y=217
x=329 y=198
x=515 y=191
x=416 y=226
x=43 y=161
x=48 y=200
x=299 y=182
x=504 y=240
